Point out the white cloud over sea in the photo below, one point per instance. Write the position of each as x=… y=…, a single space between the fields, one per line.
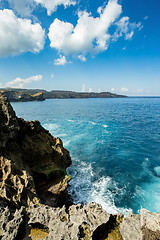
x=124 y=89
x=19 y=35
x=20 y=82
x=91 y=34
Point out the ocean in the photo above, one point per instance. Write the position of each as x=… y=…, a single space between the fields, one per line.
x=114 y=145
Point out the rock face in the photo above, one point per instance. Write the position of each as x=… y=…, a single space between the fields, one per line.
x=145 y=226
x=89 y=222
x=33 y=162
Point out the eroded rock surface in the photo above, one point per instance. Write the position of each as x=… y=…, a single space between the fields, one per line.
x=143 y=226
x=78 y=222
x=11 y=223
x=32 y=161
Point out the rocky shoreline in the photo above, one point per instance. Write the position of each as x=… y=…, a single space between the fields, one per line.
x=33 y=191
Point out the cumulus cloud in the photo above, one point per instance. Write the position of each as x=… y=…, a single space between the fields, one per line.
x=83 y=87
x=89 y=35
x=82 y=58
x=146 y=17
x=20 y=82
x=126 y=28
x=138 y=90
x=51 y=5
x=60 y=61
x=19 y=35
x=22 y=7
x=25 y=7
x=112 y=89
x=123 y=89
x=52 y=75
x=90 y=90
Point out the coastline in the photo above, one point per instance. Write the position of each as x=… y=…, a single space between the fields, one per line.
x=24 y=95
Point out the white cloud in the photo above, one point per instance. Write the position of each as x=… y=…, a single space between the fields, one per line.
x=20 y=82
x=52 y=75
x=112 y=89
x=83 y=87
x=0 y=84
x=82 y=58
x=123 y=89
x=90 y=90
x=22 y=7
x=89 y=35
x=60 y=61
x=146 y=17
x=19 y=35
x=137 y=90
x=25 y=7
x=51 y=5
x=124 y=27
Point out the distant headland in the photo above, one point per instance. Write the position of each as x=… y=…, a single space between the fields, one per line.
x=24 y=95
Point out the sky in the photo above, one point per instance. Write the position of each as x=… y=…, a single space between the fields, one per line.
x=81 y=45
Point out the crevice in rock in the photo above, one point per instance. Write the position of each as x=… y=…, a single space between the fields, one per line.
x=109 y=230
x=85 y=231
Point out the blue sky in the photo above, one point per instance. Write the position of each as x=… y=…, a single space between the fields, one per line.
x=81 y=45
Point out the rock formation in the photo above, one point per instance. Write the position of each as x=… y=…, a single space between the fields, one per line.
x=33 y=176
x=33 y=162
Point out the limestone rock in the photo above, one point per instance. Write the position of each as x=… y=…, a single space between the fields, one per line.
x=10 y=223
x=32 y=161
x=78 y=222
x=144 y=226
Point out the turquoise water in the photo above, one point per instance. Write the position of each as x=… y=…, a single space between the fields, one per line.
x=114 y=144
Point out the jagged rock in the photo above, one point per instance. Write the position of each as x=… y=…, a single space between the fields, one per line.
x=144 y=226
x=32 y=161
x=10 y=223
x=78 y=222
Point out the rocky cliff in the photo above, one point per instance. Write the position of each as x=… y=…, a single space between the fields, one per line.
x=33 y=187
x=33 y=162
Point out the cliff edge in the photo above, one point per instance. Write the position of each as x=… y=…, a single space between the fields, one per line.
x=33 y=162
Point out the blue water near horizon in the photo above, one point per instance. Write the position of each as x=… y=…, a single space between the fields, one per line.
x=114 y=145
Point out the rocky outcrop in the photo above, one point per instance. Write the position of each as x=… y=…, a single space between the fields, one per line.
x=144 y=226
x=43 y=222
x=88 y=222
x=32 y=162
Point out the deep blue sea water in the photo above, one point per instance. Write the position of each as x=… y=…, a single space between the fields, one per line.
x=114 y=144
